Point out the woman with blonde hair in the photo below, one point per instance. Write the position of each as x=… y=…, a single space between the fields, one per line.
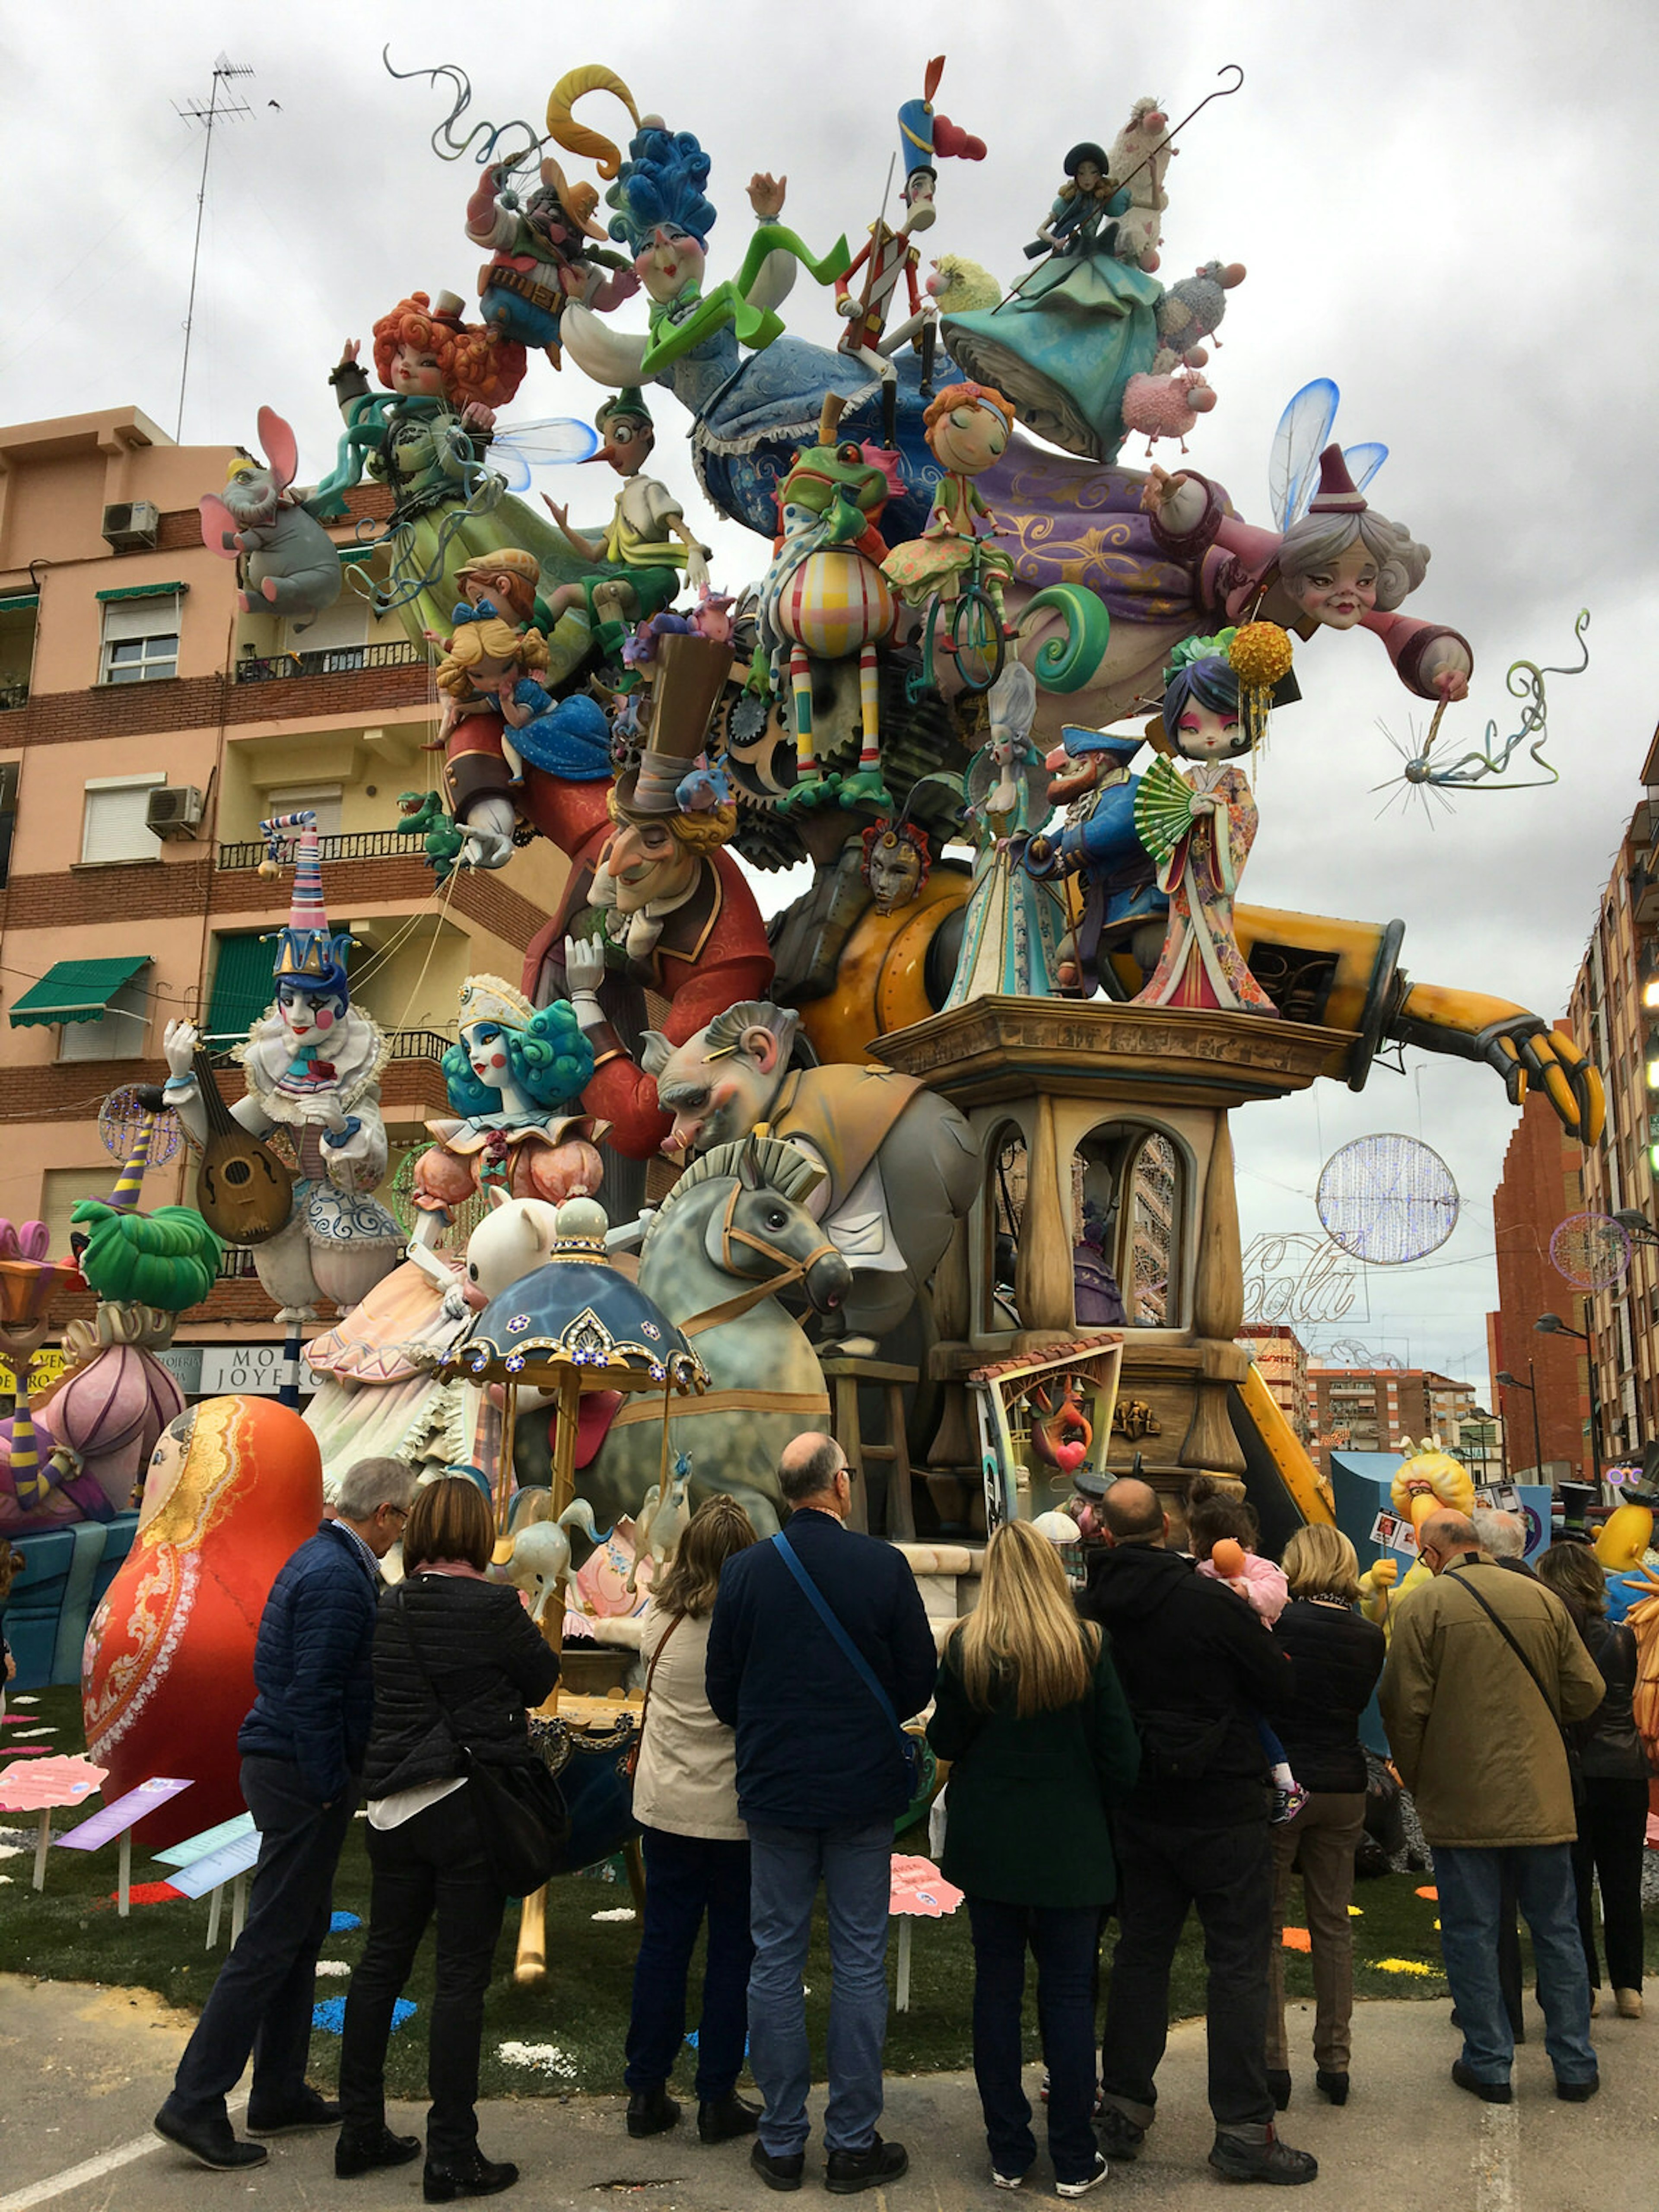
x=1338 y=1657
x=695 y=1848
x=1030 y=1713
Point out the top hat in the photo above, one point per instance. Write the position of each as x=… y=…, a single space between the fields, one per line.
x=690 y=674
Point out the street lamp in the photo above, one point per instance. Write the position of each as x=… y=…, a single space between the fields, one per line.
x=1508 y=1381
x=1551 y=1324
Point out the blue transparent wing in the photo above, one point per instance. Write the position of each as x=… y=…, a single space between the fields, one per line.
x=1303 y=432
x=1363 y=462
x=519 y=448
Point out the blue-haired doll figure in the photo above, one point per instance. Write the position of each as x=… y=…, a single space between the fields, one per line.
x=512 y=1071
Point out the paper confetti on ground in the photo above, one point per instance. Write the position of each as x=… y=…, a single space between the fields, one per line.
x=1297 y=1939
x=147 y=1892
x=1355 y=1912
x=333 y=1969
x=615 y=1912
x=328 y=2016
x=342 y=1924
x=1407 y=1966
x=1430 y=1892
x=539 y=2058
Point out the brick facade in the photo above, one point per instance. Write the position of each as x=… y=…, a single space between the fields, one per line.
x=1542 y=1183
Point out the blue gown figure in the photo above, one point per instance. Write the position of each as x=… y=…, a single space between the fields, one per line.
x=1013 y=925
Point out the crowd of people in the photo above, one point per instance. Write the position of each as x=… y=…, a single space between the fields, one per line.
x=1180 y=1735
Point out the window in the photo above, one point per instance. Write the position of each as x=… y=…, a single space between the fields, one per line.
x=324 y=799
x=141 y=639
x=242 y=986
x=113 y=825
x=1128 y=1196
x=118 y=1035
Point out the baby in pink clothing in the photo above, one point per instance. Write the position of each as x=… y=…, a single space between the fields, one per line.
x=1221 y=1529
x=1260 y=1584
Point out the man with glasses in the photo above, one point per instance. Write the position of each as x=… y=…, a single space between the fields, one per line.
x=302 y=1748
x=1485 y=1672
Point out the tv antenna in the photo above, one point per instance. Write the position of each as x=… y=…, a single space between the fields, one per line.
x=221 y=104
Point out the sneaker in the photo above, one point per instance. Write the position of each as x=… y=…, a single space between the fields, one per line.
x=1237 y=2158
x=778 y=2169
x=847 y=2172
x=1490 y=2092
x=1120 y=2137
x=1006 y=2180
x=1287 y=1803
x=209 y=2142
x=1082 y=2188
x=1577 y=2093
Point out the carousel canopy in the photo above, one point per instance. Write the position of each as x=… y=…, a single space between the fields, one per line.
x=578 y=1315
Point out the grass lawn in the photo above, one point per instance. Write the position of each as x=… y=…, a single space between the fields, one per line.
x=71 y=1933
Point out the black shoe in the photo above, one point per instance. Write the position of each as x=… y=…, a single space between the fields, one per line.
x=475 y=2175
x=363 y=2154
x=778 y=2170
x=652 y=2112
x=1577 y=2093
x=1237 y=2160
x=720 y=2119
x=1120 y=2135
x=1279 y=2082
x=209 y=2141
x=1490 y=2092
x=847 y=2172
x=309 y=2109
x=1334 y=2085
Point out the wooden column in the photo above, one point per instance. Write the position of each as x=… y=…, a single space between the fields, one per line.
x=1217 y=1313
x=1044 y=1290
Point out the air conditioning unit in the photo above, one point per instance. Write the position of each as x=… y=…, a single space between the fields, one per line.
x=174 y=812
x=132 y=528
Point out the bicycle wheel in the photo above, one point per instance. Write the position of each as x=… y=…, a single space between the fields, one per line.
x=976 y=639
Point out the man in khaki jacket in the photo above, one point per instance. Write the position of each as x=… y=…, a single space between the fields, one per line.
x=1474 y=1723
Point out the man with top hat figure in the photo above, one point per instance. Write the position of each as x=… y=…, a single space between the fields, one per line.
x=891 y=254
x=647 y=535
x=1123 y=908
x=312 y=1066
x=540 y=258
x=653 y=903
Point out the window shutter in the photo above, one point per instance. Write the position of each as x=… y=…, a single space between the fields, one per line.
x=325 y=800
x=243 y=985
x=114 y=825
x=156 y=617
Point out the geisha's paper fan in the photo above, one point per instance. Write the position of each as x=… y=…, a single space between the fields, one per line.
x=1163 y=809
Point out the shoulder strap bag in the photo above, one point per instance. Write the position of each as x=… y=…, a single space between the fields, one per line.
x=519 y=1809
x=631 y=1762
x=1575 y=1765
x=910 y=1747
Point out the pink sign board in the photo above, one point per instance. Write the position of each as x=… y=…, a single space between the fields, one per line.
x=919 y=1891
x=47 y=1782
x=115 y=1820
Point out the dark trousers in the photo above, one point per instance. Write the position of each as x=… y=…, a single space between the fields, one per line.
x=687 y=1879
x=433 y=1864
x=1065 y=1940
x=1612 y=1828
x=262 y=2002
x=1227 y=1874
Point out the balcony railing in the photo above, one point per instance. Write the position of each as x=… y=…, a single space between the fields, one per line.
x=236 y=1265
x=406 y=1044
x=328 y=660
x=352 y=845
x=14 y=695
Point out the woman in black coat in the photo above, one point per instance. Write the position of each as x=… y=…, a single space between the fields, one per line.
x=1338 y=1657
x=457 y=1660
x=1612 y=1821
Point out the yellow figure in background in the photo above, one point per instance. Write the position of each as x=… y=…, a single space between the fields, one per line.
x=1429 y=1481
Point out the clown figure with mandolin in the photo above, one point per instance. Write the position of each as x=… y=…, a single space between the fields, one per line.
x=312 y=1066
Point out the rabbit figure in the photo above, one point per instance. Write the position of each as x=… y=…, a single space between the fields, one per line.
x=293 y=565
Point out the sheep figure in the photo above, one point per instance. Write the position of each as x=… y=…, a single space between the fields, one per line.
x=1165 y=406
x=1191 y=312
x=961 y=287
x=1139 y=159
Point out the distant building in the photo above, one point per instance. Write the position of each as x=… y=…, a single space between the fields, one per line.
x=1375 y=1409
x=1281 y=1359
x=1542 y=1186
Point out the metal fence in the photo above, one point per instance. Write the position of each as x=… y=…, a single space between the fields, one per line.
x=328 y=660
x=14 y=695
x=406 y=1044
x=349 y=845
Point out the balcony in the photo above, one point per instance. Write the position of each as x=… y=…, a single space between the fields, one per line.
x=13 y=695
x=350 y=845
x=331 y=660
x=406 y=1044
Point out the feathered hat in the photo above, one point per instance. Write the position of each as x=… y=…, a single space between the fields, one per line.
x=307 y=951
x=490 y=998
x=925 y=138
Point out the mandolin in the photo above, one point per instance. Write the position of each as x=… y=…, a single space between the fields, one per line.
x=244 y=1193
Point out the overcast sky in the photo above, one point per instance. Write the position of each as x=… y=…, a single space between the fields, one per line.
x=1441 y=208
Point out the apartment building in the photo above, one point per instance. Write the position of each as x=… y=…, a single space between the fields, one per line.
x=1376 y=1409
x=1546 y=1405
x=147 y=726
x=1281 y=1360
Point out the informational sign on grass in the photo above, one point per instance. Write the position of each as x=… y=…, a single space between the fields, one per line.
x=1395 y=1534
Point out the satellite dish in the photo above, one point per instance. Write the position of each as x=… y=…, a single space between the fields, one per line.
x=1592 y=1250
x=1386 y=1199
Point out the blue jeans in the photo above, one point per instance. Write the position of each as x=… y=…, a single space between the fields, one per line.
x=787 y=1864
x=685 y=1878
x=1065 y=1940
x=1471 y=1883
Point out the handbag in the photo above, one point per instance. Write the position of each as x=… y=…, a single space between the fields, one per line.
x=523 y=1822
x=910 y=1747
x=631 y=1764
x=1575 y=1764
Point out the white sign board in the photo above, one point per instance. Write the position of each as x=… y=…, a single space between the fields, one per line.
x=248 y=1370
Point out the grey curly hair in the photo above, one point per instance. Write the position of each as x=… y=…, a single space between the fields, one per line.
x=1319 y=540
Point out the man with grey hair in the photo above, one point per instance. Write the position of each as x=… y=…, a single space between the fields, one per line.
x=818 y=1646
x=1502 y=1534
x=302 y=1748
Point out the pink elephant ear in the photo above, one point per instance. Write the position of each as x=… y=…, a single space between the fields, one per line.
x=280 y=447
x=218 y=523
x=9 y=1247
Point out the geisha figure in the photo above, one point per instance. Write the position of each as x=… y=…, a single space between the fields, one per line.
x=312 y=1067
x=968 y=428
x=513 y=1068
x=1013 y=925
x=1199 y=828
x=1078 y=328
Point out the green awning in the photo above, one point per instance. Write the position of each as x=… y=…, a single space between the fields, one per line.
x=75 y=990
x=17 y=603
x=145 y=591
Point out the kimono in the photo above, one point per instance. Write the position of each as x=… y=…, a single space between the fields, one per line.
x=1201 y=964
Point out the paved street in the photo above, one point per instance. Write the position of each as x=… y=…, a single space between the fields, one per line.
x=84 y=2069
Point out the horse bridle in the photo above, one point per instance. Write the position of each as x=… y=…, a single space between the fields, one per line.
x=791 y=1271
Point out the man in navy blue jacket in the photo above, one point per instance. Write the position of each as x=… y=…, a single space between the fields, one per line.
x=302 y=1747
x=822 y=1776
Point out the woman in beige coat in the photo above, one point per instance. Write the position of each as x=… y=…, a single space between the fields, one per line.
x=696 y=1849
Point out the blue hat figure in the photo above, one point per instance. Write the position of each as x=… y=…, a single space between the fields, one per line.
x=1079 y=744
x=308 y=953
x=926 y=138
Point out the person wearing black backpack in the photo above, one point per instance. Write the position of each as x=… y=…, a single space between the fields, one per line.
x=1196 y=1667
